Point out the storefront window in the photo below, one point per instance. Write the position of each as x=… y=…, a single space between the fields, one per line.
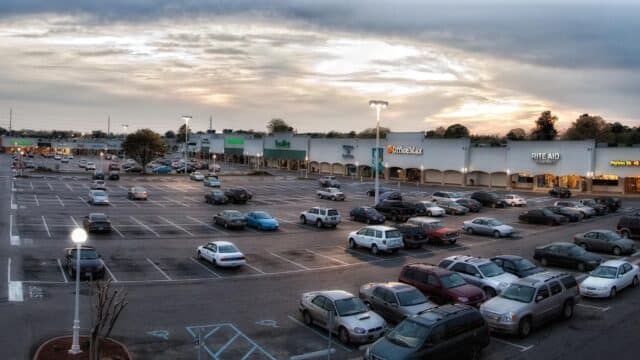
x=525 y=179
x=546 y=180
x=569 y=181
x=606 y=180
x=632 y=184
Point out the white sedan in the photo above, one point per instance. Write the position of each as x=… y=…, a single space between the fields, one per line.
x=609 y=278
x=515 y=200
x=221 y=253
x=197 y=176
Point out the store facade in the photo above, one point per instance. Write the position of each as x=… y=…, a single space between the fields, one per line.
x=286 y=150
x=60 y=146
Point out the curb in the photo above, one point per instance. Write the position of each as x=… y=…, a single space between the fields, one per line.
x=35 y=357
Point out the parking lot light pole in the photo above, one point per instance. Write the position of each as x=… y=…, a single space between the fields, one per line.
x=186 y=119
x=306 y=167
x=78 y=236
x=378 y=105
x=124 y=128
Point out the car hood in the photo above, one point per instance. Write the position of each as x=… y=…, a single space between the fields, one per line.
x=445 y=230
x=500 y=305
x=503 y=228
x=593 y=281
x=385 y=349
x=366 y=320
x=625 y=243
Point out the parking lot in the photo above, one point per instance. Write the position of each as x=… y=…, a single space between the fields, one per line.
x=151 y=251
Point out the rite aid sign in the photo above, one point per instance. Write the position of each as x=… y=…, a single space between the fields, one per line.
x=404 y=150
x=545 y=158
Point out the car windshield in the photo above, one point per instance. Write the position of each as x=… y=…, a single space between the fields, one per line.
x=547 y=212
x=490 y=269
x=234 y=213
x=408 y=334
x=611 y=235
x=494 y=222
x=371 y=211
x=226 y=249
x=606 y=272
x=519 y=293
x=99 y=193
x=350 y=306
x=524 y=264
x=436 y=225
x=98 y=218
x=261 y=215
x=452 y=281
x=332 y=212
x=392 y=234
x=411 y=297
x=85 y=254
x=577 y=251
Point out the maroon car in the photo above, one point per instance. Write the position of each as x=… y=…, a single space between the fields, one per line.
x=441 y=285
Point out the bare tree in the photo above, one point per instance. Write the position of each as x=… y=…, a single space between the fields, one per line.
x=107 y=307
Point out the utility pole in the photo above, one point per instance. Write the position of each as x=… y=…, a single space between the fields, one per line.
x=108 y=126
x=210 y=123
x=10 y=120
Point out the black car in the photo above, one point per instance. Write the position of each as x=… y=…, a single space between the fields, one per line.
x=216 y=197
x=489 y=199
x=237 y=195
x=542 y=216
x=395 y=210
x=230 y=219
x=614 y=204
x=381 y=190
x=96 y=222
x=445 y=332
x=567 y=255
x=571 y=214
x=114 y=176
x=629 y=226
x=98 y=176
x=516 y=265
x=561 y=192
x=91 y=265
x=366 y=214
x=472 y=205
x=413 y=235
x=599 y=208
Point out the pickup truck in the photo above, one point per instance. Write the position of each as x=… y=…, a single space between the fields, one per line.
x=396 y=210
x=320 y=217
x=436 y=231
x=330 y=193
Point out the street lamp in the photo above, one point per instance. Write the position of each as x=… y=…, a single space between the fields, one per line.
x=306 y=167
x=186 y=119
x=378 y=105
x=101 y=161
x=79 y=237
x=259 y=157
x=124 y=128
x=214 y=162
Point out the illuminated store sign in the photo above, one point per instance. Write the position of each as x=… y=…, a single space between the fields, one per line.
x=545 y=158
x=283 y=144
x=404 y=150
x=347 y=151
x=624 y=162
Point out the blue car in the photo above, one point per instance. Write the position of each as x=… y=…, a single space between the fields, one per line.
x=261 y=220
x=162 y=170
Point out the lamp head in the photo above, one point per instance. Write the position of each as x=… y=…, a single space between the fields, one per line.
x=79 y=236
x=378 y=104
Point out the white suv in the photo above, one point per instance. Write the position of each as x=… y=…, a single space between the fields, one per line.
x=377 y=238
x=321 y=217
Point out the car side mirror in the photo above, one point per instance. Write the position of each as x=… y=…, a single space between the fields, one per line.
x=539 y=298
x=478 y=276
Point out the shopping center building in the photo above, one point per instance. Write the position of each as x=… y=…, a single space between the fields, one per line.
x=582 y=166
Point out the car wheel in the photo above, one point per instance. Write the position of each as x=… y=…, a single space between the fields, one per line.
x=343 y=336
x=306 y=317
x=524 y=328
x=544 y=262
x=581 y=267
x=352 y=244
x=567 y=310
x=496 y=234
x=613 y=292
x=491 y=292
x=625 y=234
x=470 y=231
x=303 y=219
x=634 y=283
x=429 y=213
x=584 y=246
x=374 y=249
x=319 y=223
x=617 y=251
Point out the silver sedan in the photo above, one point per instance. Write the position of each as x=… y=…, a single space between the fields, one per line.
x=394 y=301
x=487 y=226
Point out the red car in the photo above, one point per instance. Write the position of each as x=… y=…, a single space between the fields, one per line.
x=435 y=229
x=441 y=285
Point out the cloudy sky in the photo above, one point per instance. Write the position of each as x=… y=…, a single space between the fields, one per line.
x=491 y=65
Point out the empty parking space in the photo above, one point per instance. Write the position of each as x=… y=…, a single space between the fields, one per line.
x=133 y=269
x=306 y=259
x=42 y=270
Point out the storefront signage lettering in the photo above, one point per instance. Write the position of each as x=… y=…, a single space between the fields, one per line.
x=624 y=162
x=283 y=144
x=234 y=141
x=404 y=150
x=347 y=151
x=22 y=143
x=545 y=158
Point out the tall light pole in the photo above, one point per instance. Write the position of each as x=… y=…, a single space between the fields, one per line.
x=101 y=162
x=306 y=167
x=124 y=128
x=186 y=119
x=78 y=236
x=378 y=105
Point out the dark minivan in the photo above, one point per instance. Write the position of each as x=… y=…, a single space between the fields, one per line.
x=444 y=332
x=629 y=226
x=489 y=199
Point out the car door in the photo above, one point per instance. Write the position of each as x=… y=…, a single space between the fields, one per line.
x=556 y=301
x=598 y=242
x=362 y=235
x=562 y=258
x=543 y=307
x=317 y=310
x=626 y=274
x=379 y=301
x=509 y=267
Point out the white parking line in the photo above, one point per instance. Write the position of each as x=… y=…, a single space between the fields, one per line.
x=158 y=268
x=133 y=202
x=207 y=225
x=327 y=257
x=64 y=275
x=68 y=186
x=14 y=240
x=289 y=261
x=175 y=225
x=74 y=221
x=35 y=197
x=50 y=187
x=31 y=184
x=46 y=226
x=15 y=292
x=156 y=202
x=60 y=201
x=594 y=307
x=522 y=348
x=318 y=333
x=176 y=201
x=84 y=201
x=254 y=268
x=205 y=267
x=109 y=271
x=116 y=230
x=144 y=226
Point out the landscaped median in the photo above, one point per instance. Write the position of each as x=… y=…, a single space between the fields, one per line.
x=58 y=349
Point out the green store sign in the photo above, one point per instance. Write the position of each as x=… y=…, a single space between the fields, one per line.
x=22 y=143
x=234 y=141
x=283 y=144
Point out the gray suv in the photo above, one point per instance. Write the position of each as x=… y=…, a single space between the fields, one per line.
x=480 y=272
x=532 y=301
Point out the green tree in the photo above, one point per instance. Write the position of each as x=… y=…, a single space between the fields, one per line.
x=517 y=134
x=278 y=125
x=143 y=146
x=456 y=131
x=370 y=133
x=170 y=134
x=437 y=133
x=180 y=137
x=545 y=128
x=589 y=127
